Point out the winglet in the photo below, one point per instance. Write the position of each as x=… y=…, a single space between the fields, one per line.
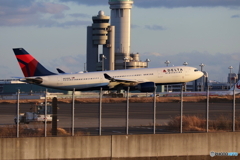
x=108 y=77
x=59 y=70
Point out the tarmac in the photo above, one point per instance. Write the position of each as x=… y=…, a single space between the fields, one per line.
x=114 y=116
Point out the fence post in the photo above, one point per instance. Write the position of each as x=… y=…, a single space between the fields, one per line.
x=73 y=107
x=154 y=110
x=127 y=115
x=100 y=112
x=17 y=120
x=54 y=116
x=234 y=108
x=181 y=110
x=207 y=112
x=45 y=115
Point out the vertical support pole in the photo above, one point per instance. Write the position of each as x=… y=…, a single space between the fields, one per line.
x=73 y=107
x=234 y=108
x=207 y=109
x=127 y=110
x=154 y=110
x=54 y=116
x=181 y=110
x=100 y=112
x=45 y=115
x=102 y=64
x=17 y=120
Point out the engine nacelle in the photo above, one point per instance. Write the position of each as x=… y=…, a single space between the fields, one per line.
x=146 y=87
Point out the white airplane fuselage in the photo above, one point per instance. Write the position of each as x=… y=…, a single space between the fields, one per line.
x=91 y=80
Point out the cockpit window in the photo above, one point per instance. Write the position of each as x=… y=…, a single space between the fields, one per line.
x=195 y=70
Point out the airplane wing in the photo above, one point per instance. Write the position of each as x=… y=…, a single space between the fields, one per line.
x=121 y=81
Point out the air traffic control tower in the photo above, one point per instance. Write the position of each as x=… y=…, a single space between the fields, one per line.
x=100 y=33
x=121 y=19
x=115 y=39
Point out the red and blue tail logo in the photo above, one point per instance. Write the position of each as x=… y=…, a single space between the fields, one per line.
x=29 y=65
x=238 y=85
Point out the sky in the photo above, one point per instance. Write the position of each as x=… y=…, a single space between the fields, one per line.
x=55 y=31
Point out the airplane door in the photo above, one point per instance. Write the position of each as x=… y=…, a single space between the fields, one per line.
x=187 y=73
x=59 y=81
x=160 y=74
x=101 y=79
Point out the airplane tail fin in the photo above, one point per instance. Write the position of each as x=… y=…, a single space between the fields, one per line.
x=29 y=65
x=237 y=86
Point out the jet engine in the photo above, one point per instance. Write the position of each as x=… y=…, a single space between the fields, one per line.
x=146 y=87
x=37 y=80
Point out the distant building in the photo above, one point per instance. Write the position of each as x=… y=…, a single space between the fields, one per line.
x=100 y=33
x=114 y=38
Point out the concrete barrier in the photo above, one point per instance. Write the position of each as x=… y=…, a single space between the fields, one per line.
x=187 y=144
x=55 y=147
x=119 y=146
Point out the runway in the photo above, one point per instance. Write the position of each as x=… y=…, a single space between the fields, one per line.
x=114 y=116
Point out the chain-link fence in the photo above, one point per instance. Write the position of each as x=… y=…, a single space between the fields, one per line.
x=127 y=115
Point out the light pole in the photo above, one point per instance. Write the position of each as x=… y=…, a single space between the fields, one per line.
x=84 y=67
x=167 y=63
x=202 y=65
x=125 y=62
x=103 y=57
x=185 y=63
x=230 y=75
x=185 y=84
x=147 y=60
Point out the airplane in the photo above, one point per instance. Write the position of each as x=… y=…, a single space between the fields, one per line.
x=144 y=79
x=204 y=93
